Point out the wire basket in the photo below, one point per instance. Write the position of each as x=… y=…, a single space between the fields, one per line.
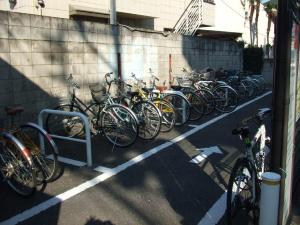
x=98 y=92
x=184 y=81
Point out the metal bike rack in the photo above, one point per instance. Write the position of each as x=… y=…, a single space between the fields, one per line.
x=183 y=103
x=87 y=140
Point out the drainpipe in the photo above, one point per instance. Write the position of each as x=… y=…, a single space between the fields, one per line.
x=113 y=13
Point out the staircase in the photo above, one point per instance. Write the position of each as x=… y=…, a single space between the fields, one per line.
x=191 y=19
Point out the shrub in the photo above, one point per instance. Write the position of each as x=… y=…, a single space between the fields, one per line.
x=253 y=59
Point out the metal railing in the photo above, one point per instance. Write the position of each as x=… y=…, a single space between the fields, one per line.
x=191 y=19
x=87 y=140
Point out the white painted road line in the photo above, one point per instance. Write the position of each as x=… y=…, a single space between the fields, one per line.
x=103 y=169
x=91 y=183
x=216 y=212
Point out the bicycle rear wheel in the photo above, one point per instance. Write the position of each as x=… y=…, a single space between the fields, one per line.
x=42 y=148
x=149 y=119
x=168 y=114
x=65 y=125
x=226 y=99
x=197 y=105
x=208 y=99
x=119 y=125
x=242 y=193
x=16 y=166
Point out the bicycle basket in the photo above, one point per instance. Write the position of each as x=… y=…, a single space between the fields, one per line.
x=184 y=81
x=98 y=92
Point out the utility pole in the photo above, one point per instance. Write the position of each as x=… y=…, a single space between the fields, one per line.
x=113 y=13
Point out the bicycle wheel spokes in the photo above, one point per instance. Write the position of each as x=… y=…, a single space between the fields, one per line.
x=65 y=125
x=17 y=169
x=226 y=99
x=119 y=125
x=149 y=119
x=197 y=109
x=242 y=194
x=168 y=114
x=43 y=151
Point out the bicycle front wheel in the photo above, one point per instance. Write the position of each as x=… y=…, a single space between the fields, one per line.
x=16 y=166
x=149 y=119
x=42 y=148
x=168 y=114
x=242 y=193
x=197 y=105
x=208 y=98
x=119 y=125
x=226 y=99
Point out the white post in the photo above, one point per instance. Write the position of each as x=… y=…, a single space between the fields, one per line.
x=113 y=12
x=269 y=200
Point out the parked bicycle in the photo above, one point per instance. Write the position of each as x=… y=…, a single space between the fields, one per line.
x=243 y=192
x=28 y=155
x=116 y=122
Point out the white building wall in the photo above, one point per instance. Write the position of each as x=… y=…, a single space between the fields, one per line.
x=230 y=17
x=229 y=14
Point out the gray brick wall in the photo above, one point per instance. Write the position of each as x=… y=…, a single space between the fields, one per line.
x=36 y=53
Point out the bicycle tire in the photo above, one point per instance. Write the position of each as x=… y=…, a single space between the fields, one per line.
x=226 y=99
x=168 y=114
x=32 y=137
x=69 y=126
x=181 y=106
x=197 y=105
x=16 y=165
x=242 y=197
x=208 y=98
x=149 y=118
x=116 y=122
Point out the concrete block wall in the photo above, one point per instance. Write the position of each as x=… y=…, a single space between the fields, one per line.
x=37 y=53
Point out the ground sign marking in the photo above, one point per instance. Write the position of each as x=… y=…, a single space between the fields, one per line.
x=205 y=152
x=91 y=183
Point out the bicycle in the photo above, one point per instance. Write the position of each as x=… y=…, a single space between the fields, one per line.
x=16 y=165
x=146 y=111
x=116 y=122
x=42 y=147
x=243 y=192
x=177 y=99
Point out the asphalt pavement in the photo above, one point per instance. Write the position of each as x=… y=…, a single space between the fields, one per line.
x=178 y=178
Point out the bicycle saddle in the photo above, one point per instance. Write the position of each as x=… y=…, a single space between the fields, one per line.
x=13 y=110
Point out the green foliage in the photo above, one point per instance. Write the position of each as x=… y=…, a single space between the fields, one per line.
x=253 y=59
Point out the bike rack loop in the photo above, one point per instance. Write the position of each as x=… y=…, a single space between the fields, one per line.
x=87 y=140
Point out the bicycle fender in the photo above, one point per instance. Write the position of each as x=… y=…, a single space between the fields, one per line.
x=178 y=93
x=50 y=139
x=227 y=86
x=24 y=150
x=133 y=114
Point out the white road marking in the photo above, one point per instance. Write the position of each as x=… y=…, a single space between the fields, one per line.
x=216 y=212
x=205 y=152
x=103 y=169
x=91 y=183
x=192 y=125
